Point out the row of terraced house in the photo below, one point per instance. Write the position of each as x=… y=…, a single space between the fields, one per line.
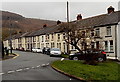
x=105 y=26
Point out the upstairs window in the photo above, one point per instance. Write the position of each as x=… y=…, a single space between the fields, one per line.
x=58 y=36
x=52 y=36
x=42 y=38
x=63 y=36
x=97 y=32
x=109 y=31
x=34 y=39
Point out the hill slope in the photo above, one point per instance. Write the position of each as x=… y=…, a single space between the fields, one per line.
x=18 y=23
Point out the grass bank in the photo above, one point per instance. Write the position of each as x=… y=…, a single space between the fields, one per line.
x=103 y=71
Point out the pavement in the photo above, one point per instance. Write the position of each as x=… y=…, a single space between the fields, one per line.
x=30 y=66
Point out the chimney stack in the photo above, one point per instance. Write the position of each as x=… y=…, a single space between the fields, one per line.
x=110 y=9
x=79 y=17
x=45 y=25
x=58 y=22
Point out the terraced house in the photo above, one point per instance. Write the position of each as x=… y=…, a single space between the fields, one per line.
x=106 y=30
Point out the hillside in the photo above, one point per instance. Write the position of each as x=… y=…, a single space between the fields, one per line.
x=18 y=23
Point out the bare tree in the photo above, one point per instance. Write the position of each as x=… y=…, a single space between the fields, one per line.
x=75 y=34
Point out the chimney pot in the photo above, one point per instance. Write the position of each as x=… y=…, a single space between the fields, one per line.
x=58 y=22
x=110 y=9
x=45 y=25
x=79 y=17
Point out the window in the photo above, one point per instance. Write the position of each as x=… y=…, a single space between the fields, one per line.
x=106 y=46
x=58 y=36
x=83 y=33
x=111 y=45
x=47 y=37
x=64 y=46
x=34 y=39
x=52 y=37
x=97 y=44
x=37 y=38
x=52 y=45
x=64 y=36
x=42 y=38
x=60 y=46
x=97 y=32
x=109 y=31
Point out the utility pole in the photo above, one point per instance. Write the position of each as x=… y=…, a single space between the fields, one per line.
x=10 y=35
x=68 y=26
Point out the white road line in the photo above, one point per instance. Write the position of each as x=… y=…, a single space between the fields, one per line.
x=27 y=68
x=33 y=67
x=47 y=64
x=10 y=71
x=19 y=70
x=38 y=66
x=2 y=73
x=43 y=64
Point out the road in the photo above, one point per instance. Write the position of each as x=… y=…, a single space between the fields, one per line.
x=30 y=66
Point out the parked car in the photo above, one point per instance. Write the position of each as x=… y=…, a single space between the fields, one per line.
x=55 y=52
x=73 y=51
x=36 y=50
x=45 y=50
x=98 y=55
x=48 y=51
x=40 y=50
x=21 y=48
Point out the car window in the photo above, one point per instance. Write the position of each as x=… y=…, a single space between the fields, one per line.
x=55 y=49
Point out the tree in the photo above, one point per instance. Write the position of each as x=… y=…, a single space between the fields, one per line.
x=74 y=35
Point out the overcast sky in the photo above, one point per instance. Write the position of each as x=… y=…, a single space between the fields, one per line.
x=57 y=10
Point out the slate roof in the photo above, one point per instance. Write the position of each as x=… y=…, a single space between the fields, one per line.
x=96 y=21
x=45 y=30
x=100 y=20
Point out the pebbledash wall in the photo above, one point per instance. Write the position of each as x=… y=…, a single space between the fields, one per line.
x=118 y=41
x=108 y=28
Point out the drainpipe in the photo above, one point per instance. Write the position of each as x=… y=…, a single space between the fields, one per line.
x=116 y=42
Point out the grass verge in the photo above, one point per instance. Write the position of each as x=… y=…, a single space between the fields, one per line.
x=103 y=71
x=64 y=56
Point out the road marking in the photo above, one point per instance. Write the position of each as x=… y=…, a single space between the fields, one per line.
x=38 y=66
x=47 y=64
x=1 y=73
x=62 y=59
x=10 y=71
x=27 y=68
x=43 y=64
x=33 y=67
x=15 y=56
x=19 y=70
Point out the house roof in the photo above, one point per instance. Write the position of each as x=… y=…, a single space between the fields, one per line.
x=46 y=30
x=96 y=21
x=100 y=20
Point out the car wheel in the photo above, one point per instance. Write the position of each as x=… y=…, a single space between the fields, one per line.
x=75 y=58
x=100 y=59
